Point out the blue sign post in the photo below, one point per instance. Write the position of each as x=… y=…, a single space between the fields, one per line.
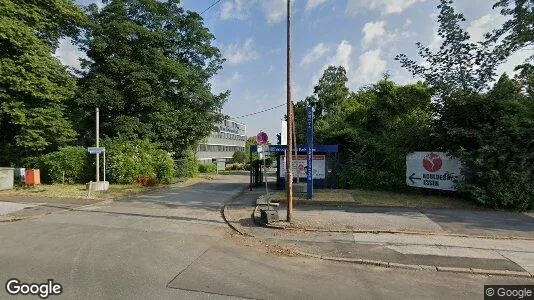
x=309 y=171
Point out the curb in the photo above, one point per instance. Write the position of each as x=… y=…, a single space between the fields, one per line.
x=386 y=264
x=378 y=231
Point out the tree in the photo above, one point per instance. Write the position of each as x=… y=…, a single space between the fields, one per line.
x=148 y=69
x=239 y=157
x=330 y=90
x=376 y=127
x=458 y=63
x=34 y=86
x=251 y=141
x=492 y=135
x=517 y=32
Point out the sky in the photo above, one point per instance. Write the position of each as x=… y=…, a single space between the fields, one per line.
x=361 y=35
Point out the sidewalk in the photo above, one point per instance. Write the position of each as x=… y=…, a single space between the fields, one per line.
x=482 y=242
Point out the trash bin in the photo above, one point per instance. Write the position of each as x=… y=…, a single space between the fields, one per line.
x=6 y=178
x=33 y=177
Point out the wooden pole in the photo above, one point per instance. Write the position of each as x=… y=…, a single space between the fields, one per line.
x=289 y=154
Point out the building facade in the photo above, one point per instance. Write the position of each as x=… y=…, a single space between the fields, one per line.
x=229 y=137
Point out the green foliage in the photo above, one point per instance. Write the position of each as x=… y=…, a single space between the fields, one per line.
x=330 y=91
x=187 y=166
x=492 y=135
x=376 y=127
x=251 y=141
x=207 y=168
x=148 y=69
x=458 y=63
x=72 y=164
x=517 y=32
x=127 y=161
x=239 y=157
x=33 y=84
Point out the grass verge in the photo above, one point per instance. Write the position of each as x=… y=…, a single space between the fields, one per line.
x=377 y=198
x=78 y=191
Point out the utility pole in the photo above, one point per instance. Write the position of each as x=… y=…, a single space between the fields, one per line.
x=97 y=144
x=289 y=154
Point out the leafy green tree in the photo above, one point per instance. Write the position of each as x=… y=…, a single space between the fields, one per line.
x=239 y=157
x=33 y=84
x=458 y=63
x=148 y=69
x=376 y=127
x=251 y=141
x=492 y=135
x=330 y=90
x=517 y=32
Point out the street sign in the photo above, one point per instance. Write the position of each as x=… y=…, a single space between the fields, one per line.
x=262 y=138
x=96 y=150
x=432 y=170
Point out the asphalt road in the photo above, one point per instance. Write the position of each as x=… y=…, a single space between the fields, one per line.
x=174 y=244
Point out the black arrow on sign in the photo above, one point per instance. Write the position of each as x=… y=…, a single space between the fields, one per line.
x=412 y=178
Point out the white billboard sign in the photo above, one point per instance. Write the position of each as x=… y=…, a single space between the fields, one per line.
x=432 y=170
x=300 y=164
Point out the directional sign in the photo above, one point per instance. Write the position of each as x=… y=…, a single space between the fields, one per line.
x=432 y=170
x=96 y=150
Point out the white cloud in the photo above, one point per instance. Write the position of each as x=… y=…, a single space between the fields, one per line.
x=479 y=27
x=386 y=7
x=342 y=57
x=407 y=23
x=372 y=31
x=68 y=54
x=236 y=9
x=376 y=33
x=314 y=54
x=275 y=10
x=236 y=54
x=370 y=68
x=311 y=4
x=221 y=83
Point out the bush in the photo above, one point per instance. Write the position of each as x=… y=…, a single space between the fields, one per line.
x=187 y=166
x=207 y=168
x=128 y=161
x=72 y=162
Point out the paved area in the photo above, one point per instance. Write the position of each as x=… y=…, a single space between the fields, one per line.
x=10 y=207
x=461 y=221
x=174 y=244
x=440 y=249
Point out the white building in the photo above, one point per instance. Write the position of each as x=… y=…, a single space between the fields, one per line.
x=229 y=137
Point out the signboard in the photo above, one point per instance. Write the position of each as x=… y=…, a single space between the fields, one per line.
x=221 y=164
x=432 y=170
x=262 y=138
x=300 y=165
x=316 y=148
x=96 y=150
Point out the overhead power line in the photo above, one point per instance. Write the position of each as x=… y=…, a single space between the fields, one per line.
x=212 y=5
x=259 y=112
